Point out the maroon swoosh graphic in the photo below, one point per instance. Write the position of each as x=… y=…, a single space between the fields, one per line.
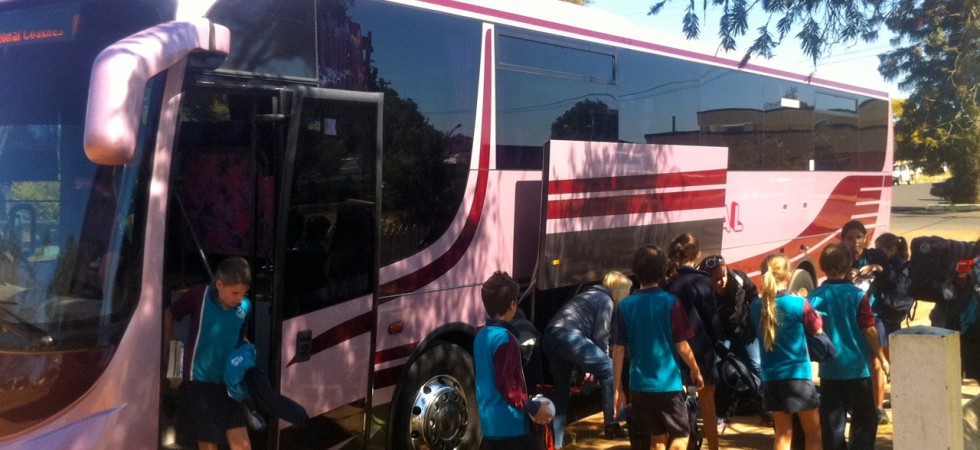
x=635 y=204
x=442 y=264
x=341 y=333
x=507 y=16
x=655 y=181
x=840 y=207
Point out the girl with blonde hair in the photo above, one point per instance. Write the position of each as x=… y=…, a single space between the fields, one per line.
x=781 y=320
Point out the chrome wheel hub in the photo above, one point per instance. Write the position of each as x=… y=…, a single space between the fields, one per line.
x=439 y=416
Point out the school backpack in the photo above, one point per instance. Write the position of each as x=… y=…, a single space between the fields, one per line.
x=932 y=267
x=892 y=299
x=737 y=376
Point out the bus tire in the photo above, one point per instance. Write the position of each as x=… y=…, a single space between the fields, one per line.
x=436 y=407
x=801 y=279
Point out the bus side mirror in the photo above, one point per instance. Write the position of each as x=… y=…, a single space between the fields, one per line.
x=119 y=77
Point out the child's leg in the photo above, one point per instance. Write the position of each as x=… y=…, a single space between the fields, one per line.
x=659 y=441
x=834 y=398
x=864 y=416
x=810 y=419
x=238 y=439
x=783 y=423
x=706 y=404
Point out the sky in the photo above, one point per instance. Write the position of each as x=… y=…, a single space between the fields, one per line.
x=853 y=64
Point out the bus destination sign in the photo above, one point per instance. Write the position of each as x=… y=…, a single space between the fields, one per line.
x=38 y=25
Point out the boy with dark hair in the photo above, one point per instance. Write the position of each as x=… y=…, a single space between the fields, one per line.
x=869 y=269
x=653 y=324
x=845 y=383
x=501 y=394
x=217 y=313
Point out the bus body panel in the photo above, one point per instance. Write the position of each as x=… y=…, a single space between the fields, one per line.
x=513 y=218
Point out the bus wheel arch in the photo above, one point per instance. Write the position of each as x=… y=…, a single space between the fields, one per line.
x=434 y=406
x=804 y=276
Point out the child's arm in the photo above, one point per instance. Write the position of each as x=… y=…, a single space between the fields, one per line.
x=871 y=335
x=681 y=331
x=866 y=320
x=509 y=377
x=687 y=355
x=619 y=394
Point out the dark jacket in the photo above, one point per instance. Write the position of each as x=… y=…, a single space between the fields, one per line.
x=696 y=292
x=733 y=307
x=588 y=313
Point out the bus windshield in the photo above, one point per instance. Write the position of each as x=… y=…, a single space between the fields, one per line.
x=68 y=258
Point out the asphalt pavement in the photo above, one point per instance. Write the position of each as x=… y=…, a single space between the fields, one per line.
x=914 y=213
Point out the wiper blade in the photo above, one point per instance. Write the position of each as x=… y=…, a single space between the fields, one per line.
x=13 y=324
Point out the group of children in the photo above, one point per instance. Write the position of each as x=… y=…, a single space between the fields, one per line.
x=685 y=311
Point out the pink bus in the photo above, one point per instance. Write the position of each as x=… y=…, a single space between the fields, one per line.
x=375 y=161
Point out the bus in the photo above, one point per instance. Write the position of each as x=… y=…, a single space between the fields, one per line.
x=375 y=161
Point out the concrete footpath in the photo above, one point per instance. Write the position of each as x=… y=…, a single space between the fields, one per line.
x=745 y=432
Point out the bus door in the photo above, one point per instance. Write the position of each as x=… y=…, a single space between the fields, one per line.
x=225 y=175
x=330 y=264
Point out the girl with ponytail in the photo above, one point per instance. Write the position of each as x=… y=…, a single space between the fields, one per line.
x=781 y=320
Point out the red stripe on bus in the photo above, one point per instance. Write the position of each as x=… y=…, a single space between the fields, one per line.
x=391 y=354
x=650 y=181
x=387 y=377
x=636 y=204
x=416 y=280
x=841 y=205
x=341 y=333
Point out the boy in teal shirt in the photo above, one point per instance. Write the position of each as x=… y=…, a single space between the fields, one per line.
x=501 y=394
x=845 y=381
x=653 y=324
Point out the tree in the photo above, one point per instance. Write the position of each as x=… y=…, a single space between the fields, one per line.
x=578 y=2
x=822 y=23
x=940 y=61
x=587 y=120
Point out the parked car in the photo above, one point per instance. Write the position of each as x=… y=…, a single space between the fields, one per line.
x=940 y=189
x=902 y=174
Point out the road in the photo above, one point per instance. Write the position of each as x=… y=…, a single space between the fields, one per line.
x=914 y=213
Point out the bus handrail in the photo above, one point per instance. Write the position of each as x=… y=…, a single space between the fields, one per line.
x=113 y=114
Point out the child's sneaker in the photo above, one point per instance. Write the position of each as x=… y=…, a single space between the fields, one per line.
x=883 y=417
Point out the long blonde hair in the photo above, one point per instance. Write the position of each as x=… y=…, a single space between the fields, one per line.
x=776 y=274
x=618 y=284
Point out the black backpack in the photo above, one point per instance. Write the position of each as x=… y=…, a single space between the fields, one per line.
x=932 y=267
x=737 y=376
x=892 y=298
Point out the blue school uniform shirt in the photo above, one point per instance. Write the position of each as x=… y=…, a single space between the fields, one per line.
x=846 y=313
x=788 y=359
x=500 y=382
x=650 y=323
x=215 y=332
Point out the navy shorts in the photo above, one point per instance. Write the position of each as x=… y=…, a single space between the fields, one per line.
x=789 y=396
x=885 y=328
x=657 y=413
x=209 y=411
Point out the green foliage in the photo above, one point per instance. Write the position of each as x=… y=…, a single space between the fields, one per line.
x=822 y=23
x=42 y=195
x=937 y=51
x=587 y=120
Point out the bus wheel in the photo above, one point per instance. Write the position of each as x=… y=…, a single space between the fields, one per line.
x=801 y=280
x=436 y=408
